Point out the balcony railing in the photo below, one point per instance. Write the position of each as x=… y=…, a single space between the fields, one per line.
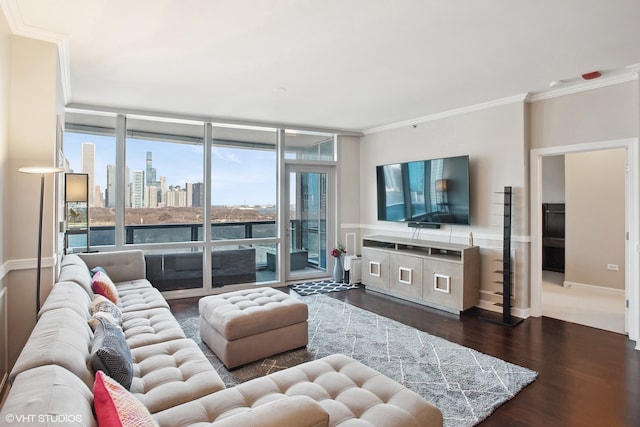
x=183 y=269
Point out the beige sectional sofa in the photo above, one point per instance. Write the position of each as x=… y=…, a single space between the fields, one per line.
x=52 y=379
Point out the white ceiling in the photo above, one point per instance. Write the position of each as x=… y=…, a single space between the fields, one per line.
x=354 y=65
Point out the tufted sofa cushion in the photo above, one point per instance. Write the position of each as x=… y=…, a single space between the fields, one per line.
x=350 y=392
x=61 y=337
x=68 y=295
x=150 y=327
x=138 y=299
x=49 y=391
x=295 y=411
x=170 y=373
x=245 y=313
x=73 y=269
x=132 y=285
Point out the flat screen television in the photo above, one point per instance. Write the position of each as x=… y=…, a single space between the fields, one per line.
x=432 y=191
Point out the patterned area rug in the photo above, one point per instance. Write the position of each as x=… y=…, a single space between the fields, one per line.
x=467 y=386
x=322 y=287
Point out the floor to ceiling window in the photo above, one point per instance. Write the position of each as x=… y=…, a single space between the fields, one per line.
x=90 y=147
x=243 y=203
x=163 y=198
x=157 y=181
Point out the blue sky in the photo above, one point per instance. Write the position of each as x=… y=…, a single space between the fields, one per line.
x=239 y=176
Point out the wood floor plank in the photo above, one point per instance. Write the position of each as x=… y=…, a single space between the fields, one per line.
x=587 y=377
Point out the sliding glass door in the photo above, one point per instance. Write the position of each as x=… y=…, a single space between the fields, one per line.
x=309 y=200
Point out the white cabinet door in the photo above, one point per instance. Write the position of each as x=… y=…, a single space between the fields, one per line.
x=443 y=283
x=405 y=275
x=375 y=268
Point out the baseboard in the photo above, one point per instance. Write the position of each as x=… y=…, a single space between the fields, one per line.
x=522 y=313
x=576 y=285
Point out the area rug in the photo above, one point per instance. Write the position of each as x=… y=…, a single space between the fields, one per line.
x=322 y=287
x=467 y=386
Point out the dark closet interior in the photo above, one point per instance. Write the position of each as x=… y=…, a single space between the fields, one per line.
x=553 y=237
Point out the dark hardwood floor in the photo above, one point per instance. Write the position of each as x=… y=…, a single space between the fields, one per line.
x=587 y=377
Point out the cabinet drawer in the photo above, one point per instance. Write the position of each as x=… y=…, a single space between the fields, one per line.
x=375 y=268
x=405 y=275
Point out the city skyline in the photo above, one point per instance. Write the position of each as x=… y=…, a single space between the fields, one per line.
x=240 y=176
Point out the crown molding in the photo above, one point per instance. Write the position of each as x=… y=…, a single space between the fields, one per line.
x=11 y=11
x=630 y=74
x=450 y=113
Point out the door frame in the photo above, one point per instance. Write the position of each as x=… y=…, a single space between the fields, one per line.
x=632 y=224
x=331 y=220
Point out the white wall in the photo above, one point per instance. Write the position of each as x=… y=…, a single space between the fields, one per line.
x=349 y=193
x=603 y=114
x=595 y=218
x=33 y=103
x=495 y=140
x=498 y=141
x=553 y=190
x=5 y=75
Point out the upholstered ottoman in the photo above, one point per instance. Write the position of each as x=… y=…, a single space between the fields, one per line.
x=244 y=326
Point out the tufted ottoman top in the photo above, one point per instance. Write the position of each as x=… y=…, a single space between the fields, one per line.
x=249 y=312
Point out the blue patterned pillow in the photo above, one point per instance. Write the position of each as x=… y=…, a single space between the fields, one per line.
x=111 y=354
x=94 y=270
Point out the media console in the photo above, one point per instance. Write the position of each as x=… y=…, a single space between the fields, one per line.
x=441 y=275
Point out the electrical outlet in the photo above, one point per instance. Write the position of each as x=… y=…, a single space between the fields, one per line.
x=612 y=267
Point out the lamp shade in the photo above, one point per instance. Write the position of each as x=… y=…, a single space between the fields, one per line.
x=441 y=185
x=40 y=169
x=76 y=187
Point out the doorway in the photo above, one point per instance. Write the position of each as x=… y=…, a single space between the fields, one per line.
x=630 y=237
x=581 y=192
x=309 y=202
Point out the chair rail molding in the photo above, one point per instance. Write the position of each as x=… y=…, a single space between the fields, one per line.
x=25 y=264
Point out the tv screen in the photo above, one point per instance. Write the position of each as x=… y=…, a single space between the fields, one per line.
x=428 y=191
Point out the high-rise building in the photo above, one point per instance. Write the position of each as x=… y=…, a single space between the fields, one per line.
x=109 y=192
x=163 y=190
x=97 y=197
x=88 y=167
x=176 y=197
x=189 y=188
x=197 y=197
x=150 y=177
x=137 y=189
x=127 y=195
x=151 y=196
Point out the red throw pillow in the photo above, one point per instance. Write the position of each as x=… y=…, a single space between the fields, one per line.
x=116 y=407
x=101 y=284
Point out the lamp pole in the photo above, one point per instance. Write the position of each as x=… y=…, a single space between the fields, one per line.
x=42 y=171
x=39 y=267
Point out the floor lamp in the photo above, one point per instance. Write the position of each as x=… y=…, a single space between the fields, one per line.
x=42 y=171
x=76 y=200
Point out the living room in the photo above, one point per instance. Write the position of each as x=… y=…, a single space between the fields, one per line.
x=505 y=138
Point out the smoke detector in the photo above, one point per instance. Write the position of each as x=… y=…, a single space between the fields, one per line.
x=592 y=75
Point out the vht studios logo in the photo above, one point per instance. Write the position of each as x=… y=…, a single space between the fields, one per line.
x=43 y=418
